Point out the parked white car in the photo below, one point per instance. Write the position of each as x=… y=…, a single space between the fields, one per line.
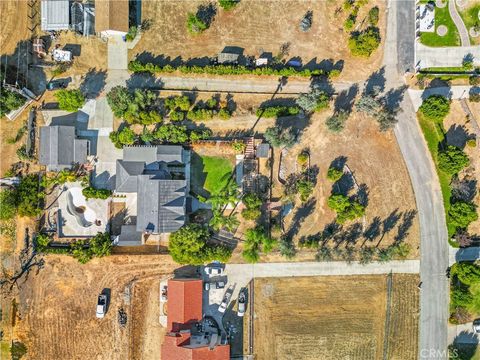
x=225 y=301
x=213 y=270
x=242 y=302
x=101 y=306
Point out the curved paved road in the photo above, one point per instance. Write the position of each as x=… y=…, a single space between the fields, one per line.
x=433 y=231
x=462 y=30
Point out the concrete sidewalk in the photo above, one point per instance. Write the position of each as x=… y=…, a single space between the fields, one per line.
x=454 y=93
x=452 y=56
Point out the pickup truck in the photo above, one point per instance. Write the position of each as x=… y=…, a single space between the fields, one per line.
x=101 y=306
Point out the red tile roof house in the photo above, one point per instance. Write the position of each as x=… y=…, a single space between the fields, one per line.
x=185 y=341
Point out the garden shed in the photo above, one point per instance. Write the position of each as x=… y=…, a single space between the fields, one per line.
x=55 y=15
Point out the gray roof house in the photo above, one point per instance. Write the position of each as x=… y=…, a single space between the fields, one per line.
x=55 y=15
x=60 y=148
x=158 y=175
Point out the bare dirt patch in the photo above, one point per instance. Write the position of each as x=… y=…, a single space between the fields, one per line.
x=335 y=318
x=57 y=308
x=14 y=25
x=258 y=27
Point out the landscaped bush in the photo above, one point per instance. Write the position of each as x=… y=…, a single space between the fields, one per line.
x=70 y=100
x=228 y=4
x=200 y=114
x=365 y=42
x=452 y=160
x=373 y=16
x=277 y=111
x=195 y=25
x=137 y=66
x=172 y=134
x=349 y=22
x=472 y=143
x=224 y=114
x=177 y=115
x=25 y=199
x=302 y=158
x=334 y=174
x=92 y=193
x=238 y=146
x=132 y=32
x=336 y=122
x=305 y=189
x=345 y=208
x=252 y=203
x=474 y=80
x=461 y=214
x=435 y=107
x=256 y=241
x=299 y=184
x=9 y=100
x=188 y=245
x=178 y=103
x=315 y=100
x=278 y=137
x=465 y=278
x=137 y=107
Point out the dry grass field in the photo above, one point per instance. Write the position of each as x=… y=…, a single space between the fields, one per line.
x=57 y=308
x=257 y=27
x=335 y=318
x=14 y=24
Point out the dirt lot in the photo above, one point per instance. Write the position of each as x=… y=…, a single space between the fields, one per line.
x=337 y=318
x=57 y=308
x=14 y=24
x=257 y=27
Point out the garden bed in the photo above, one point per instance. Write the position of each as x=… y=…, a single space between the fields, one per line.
x=451 y=38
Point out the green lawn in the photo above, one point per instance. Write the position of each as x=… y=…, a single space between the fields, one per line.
x=209 y=174
x=434 y=136
x=470 y=18
x=442 y=17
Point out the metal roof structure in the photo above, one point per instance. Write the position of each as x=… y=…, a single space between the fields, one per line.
x=227 y=58
x=55 y=15
x=262 y=150
x=60 y=149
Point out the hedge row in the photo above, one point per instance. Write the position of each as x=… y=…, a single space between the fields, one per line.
x=137 y=66
x=277 y=111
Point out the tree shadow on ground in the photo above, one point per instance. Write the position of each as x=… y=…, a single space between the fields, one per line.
x=144 y=81
x=362 y=194
x=389 y=223
x=405 y=225
x=304 y=211
x=464 y=190
x=457 y=135
x=394 y=97
x=206 y=13
x=346 y=99
x=373 y=230
x=376 y=82
x=93 y=83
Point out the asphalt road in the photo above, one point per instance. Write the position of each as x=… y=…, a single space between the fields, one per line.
x=433 y=231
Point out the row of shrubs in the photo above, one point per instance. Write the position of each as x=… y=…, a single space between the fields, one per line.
x=277 y=111
x=83 y=250
x=137 y=66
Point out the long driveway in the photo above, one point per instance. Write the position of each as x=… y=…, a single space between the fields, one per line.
x=433 y=232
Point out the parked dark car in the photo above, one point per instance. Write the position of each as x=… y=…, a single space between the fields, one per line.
x=58 y=84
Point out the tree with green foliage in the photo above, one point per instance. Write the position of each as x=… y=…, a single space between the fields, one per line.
x=188 y=245
x=467 y=273
x=9 y=100
x=195 y=25
x=29 y=196
x=334 y=174
x=287 y=247
x=346 y=209
x=278 y=137
x=181 y=103
x=126 y=136
x=18 y=350
x=315 y=100
x=277 y=111
x=372 y=105
x=119 y=99
x=220 y=221
x=364 y=43
x=373 y=16
x=171 y=133
x=224 y=114
x=367 y=255
x=435 y=107
x=452 y=160
x=336 y=122
x=256 y=241
x=8 y=201
x=93 y=193
x=228 y=5
x=238 y=146
x=70 y=100
x=461 y=214
x=305 y=188
x=252 y=203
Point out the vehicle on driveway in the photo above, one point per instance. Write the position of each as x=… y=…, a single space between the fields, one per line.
x=207 y=286
x=58 y=84
x=101 y=306
x=164 y=293
x=476 y=326
x=225 y=301
x=242 y=303
x=213 y=270
x=220 y=284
